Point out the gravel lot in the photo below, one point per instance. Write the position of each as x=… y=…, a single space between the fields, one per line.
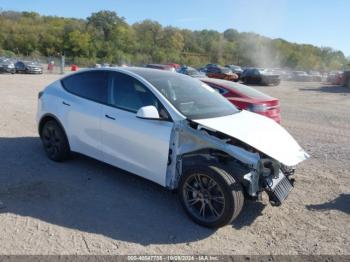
x=86 y=207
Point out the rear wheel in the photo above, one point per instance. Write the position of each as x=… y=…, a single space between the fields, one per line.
x=55 y=142
x=210 y=196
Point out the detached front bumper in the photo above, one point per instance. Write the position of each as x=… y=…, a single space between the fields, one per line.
x=271 y=177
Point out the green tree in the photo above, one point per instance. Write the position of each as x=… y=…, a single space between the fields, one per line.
x=78 y=44
x=105 y=21
x=106 y=37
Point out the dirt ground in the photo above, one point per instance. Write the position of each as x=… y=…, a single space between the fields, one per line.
x=86 y=207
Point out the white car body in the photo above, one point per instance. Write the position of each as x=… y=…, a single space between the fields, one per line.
x=152 y=148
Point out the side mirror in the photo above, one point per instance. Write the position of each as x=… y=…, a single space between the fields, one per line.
x=148 y=112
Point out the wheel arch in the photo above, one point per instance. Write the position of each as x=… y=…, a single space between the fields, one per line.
x=47 y=117
x=217 y=157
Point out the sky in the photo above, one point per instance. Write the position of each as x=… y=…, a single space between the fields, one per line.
x=317 y=22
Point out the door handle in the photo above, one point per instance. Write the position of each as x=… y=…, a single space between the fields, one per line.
x=66 y=104
x=110 y=117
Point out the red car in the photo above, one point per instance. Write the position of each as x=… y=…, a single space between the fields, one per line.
x=176 y=66
x=247 y=98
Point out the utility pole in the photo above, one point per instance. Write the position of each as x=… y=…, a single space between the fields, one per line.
x=62 y=64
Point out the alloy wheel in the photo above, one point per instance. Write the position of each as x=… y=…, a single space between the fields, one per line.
x=203 y=197
x=51 y=141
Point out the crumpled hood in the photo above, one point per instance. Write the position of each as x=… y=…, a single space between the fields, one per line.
x=260 y=132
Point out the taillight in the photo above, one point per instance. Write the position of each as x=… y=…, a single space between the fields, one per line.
x=40 y=94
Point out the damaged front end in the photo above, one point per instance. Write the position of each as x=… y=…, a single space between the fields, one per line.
x=193 y=143
x=276 y=180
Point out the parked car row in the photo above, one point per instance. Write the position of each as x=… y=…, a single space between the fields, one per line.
x=8 y=65
x=229 y=72
x=235 y=73
x=335 y=78
x=251 y=75
x=341 y=78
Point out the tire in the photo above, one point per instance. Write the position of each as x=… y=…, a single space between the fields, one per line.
x=55 y=142
x=276 y=83
x=210 y=196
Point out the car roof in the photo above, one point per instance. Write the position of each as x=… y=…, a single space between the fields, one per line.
x=140 y=71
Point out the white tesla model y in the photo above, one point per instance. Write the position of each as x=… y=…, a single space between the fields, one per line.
x=174 y=130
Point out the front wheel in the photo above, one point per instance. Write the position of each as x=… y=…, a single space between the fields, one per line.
x=210 y=196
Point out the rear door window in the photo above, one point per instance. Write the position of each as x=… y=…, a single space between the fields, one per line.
x=91 y=85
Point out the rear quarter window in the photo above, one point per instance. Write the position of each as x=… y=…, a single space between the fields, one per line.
x=90 y=85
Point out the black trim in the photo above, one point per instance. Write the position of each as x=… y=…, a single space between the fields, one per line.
x=110 y=117
x=146 y=118
x=66 y=104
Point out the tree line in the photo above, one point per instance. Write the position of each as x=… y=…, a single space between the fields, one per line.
x=105 y=37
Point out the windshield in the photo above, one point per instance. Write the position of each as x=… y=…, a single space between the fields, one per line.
x=193 y=98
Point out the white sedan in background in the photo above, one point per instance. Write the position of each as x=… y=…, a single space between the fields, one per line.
x=174 y=130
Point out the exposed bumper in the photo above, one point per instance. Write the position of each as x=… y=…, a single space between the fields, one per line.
x=278 y=188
